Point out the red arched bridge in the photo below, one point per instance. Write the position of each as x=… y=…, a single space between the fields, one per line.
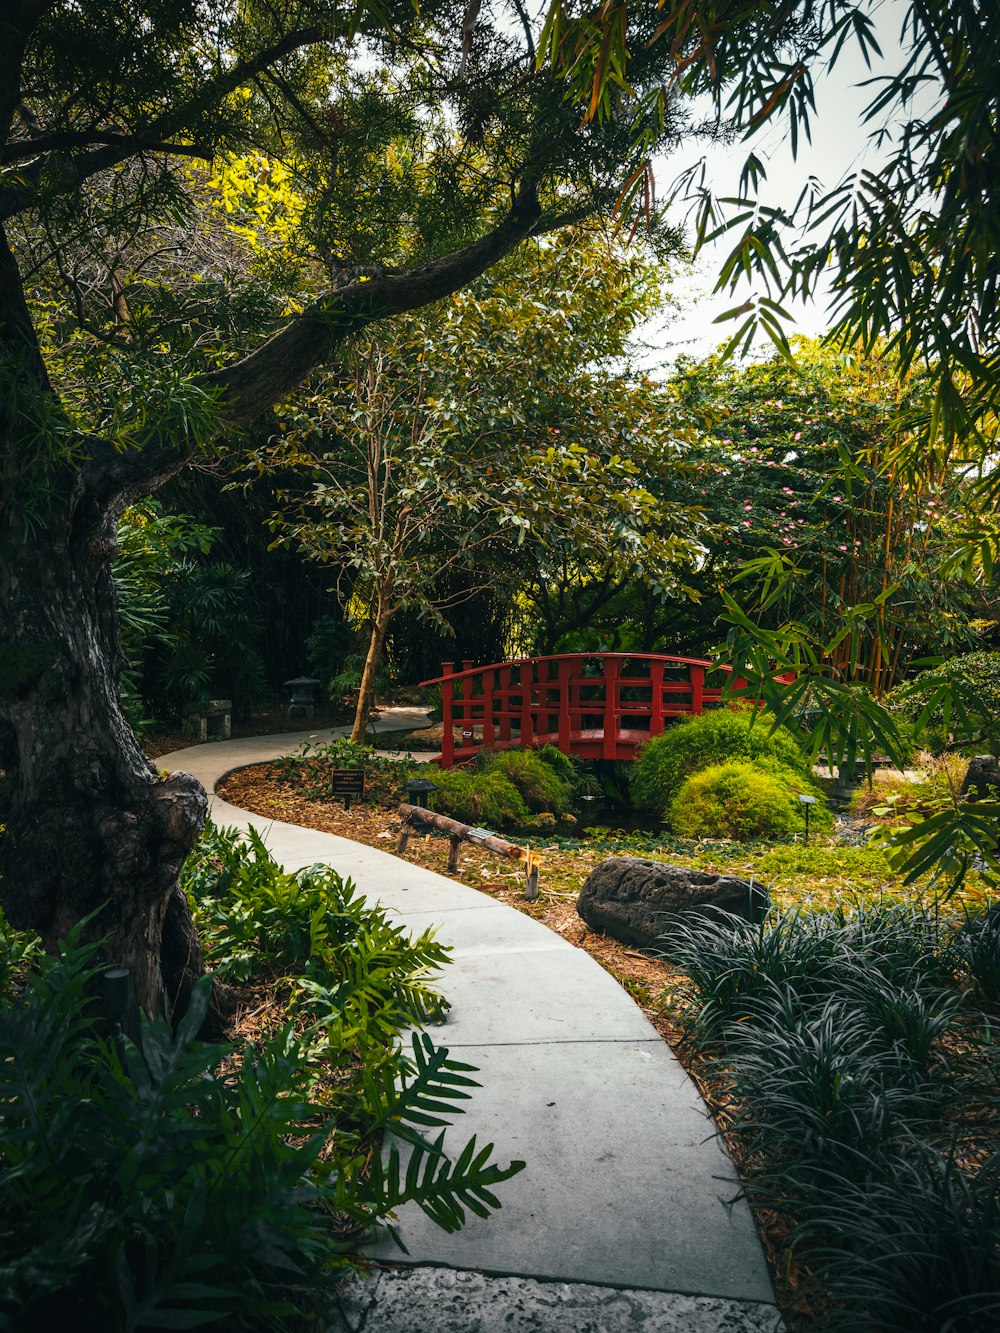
x=595 y=705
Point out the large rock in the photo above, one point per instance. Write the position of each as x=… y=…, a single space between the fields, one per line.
x=633 y=900
x=983 y=772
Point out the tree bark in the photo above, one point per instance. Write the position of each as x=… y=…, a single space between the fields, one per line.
x=366 y=692
x=93 y=832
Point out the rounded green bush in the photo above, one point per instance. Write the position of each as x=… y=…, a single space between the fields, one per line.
x=664 y=762
x=735 y=800
x=541 y=787
x=487 y=799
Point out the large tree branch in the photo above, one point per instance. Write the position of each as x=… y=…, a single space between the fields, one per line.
x=265 y=376
x=20 y=149
x=113 y=478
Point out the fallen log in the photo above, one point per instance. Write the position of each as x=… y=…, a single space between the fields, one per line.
x=415 y=816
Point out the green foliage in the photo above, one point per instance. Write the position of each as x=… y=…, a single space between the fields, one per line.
x=488 y=799
x=162 y=1194
x=311 y=769
x=19 y=954
x=719 y=735
x=789 y=466
x=189 y=625
x=833 y=1033
x=959 y=696
x=978 y=948
x=735 y=800
x=916 y=1251
x=349 y=969
x=198 y=1183
x=541 y=784
x=734 y=966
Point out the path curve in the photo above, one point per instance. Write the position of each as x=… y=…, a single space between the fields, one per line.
x=625 y=1185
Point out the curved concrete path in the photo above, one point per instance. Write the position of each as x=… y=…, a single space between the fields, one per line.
x=625 y=1186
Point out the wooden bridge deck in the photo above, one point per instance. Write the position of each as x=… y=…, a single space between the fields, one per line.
x=594 y=705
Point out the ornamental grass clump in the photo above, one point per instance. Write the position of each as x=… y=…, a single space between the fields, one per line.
x=915 y=1249
x=536 y=778
x=830 y=1041
x=978 y=949
x=487 y=799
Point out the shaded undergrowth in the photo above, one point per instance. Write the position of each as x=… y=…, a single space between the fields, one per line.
x=849 y=1053
x=173 y=1183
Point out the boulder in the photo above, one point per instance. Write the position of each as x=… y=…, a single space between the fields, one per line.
x=983 y=772
x=633 y=899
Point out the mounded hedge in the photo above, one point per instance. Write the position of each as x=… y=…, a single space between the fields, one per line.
x=716 y=737
x=737 y=800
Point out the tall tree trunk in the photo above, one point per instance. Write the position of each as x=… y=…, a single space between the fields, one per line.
x=92 y=830
x=376 y=642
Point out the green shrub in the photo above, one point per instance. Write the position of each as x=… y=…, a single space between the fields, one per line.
x=977 y=677
x=536 y=777
x=183 y=1184
x=664 y=762
x=311 y=768
x=311 y=926
x=487 y=799
x=734 y=800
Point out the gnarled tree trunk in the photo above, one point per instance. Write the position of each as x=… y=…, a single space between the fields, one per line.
x=92 y=830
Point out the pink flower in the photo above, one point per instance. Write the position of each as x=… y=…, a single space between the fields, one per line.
x=797 y=435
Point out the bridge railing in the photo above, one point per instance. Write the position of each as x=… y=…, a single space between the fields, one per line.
x=596 y=705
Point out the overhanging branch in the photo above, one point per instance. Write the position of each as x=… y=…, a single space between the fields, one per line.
x=251 y=386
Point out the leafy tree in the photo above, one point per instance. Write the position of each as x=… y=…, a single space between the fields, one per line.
x=456 y=468
x=125 y=350
x=812 y=522
x=188 y=624
x=912 y=244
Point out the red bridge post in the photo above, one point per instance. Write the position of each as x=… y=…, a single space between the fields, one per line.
x=447 y=695
x=612 y=670
x=565 y=728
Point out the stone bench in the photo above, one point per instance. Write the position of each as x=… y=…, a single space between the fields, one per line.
x=214 y=722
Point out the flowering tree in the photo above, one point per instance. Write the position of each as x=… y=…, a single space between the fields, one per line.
x=814 y=527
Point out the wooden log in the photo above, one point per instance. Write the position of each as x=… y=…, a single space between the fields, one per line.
x=415 y=817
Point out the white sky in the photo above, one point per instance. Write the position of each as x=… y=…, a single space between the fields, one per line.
x=839 y=145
